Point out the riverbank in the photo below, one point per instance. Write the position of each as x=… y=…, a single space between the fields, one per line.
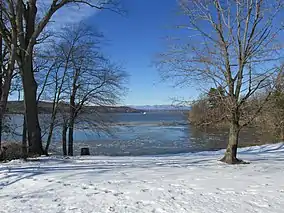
x=176 y=183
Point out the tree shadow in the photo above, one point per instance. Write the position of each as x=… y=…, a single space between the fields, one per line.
x=92 y=166
x=88 y=167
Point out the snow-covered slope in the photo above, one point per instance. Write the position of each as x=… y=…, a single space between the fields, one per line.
x=181 y=183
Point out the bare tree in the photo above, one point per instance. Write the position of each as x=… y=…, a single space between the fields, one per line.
x=20 y=33
x=92 y=79
x=55 y=61
x=231 y=45
x=80 y=76
x=7 y=61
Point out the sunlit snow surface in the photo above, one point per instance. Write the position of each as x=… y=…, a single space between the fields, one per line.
x=174 y=183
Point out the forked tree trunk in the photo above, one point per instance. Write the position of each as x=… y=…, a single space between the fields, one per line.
x=30 y=100
x=230 y=156
x=64 y=139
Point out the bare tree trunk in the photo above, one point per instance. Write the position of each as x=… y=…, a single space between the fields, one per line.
x=51 y=127
x=72 y=112
x=1 y=79
x=230 y=156
x=70 y=137
x=24 y=139
x=30 y=100
x=64 y=138
x=5 y=88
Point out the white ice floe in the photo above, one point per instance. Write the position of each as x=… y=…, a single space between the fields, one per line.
x=181 y=183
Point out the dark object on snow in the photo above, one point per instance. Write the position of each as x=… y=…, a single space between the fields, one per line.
x=85 y=151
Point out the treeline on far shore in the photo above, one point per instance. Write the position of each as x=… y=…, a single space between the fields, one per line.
x=266 y=111
x=17 y=107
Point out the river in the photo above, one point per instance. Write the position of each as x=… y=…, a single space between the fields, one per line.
x=135 y=134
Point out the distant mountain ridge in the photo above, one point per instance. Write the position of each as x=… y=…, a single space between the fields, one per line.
x=46 y=107
x=161 y=108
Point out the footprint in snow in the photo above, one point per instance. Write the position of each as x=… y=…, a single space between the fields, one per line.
x=24 y=201
x=118 y=193
x=18 y=197
x=260 y=205
x=112 y=209
x=158 y=210
x=72 y=208
x=226 y=190
x=255 y=186
x=66 y=184
x=251 y=191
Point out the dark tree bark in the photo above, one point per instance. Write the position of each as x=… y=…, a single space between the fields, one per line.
x=30 y=100
x=72 y=111
x=71 y=120
x=70 y=138
x=29 y=83
x=1 y=78
x=64 y=138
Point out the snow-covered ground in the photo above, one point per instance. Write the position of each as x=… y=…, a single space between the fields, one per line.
x=181 y=183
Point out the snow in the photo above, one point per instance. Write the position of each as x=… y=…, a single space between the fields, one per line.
x=177 y=183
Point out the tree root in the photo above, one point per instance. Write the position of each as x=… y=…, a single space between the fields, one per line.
x=230 y=160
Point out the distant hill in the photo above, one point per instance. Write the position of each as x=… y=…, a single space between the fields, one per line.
x=46 y=107
x=161 y=108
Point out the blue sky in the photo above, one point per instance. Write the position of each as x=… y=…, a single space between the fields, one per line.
x=134 y=42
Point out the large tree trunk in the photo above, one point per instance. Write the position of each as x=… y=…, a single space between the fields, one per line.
x=230 y=156
x=30 y=100
x=25 y=61
x=64 y=138
x=70 y=137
